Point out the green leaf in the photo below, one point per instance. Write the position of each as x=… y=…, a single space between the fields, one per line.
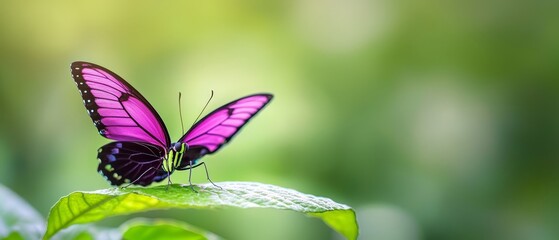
x=85 y=207
x=18 y=220
x=162 y=229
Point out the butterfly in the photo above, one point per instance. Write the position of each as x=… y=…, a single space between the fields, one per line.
x=142 y=152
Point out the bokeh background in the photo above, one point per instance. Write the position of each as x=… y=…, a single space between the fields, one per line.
x=433 y=119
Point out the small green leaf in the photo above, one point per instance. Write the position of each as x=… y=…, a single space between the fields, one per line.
x=18 y=220
x=84 y=207
x=139 y=228
x=88 y=232
x=162 y=229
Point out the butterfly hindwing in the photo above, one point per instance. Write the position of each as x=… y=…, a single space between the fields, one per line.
x=131 y=162
x=218 y=127
x=118 y=110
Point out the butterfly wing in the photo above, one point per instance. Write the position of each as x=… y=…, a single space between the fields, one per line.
x=218 y=127
x=118 y=110
x=131 y=162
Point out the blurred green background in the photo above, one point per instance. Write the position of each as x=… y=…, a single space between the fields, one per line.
x=433 y=119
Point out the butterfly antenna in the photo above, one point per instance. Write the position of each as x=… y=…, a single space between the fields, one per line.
x=211 y=96
x=180 y=113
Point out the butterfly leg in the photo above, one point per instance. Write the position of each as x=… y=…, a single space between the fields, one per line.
x=190 y=176
x=140 y=177
x=208 y=175
x=169 y=182
x=168 y=169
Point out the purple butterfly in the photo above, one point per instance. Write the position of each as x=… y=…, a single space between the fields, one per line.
x=142 y=152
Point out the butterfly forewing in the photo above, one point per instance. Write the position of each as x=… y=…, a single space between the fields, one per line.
x=218 y=127
x=118 y=110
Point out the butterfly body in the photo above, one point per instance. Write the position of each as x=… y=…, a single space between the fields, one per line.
x=142 y=152
x=174 y=157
